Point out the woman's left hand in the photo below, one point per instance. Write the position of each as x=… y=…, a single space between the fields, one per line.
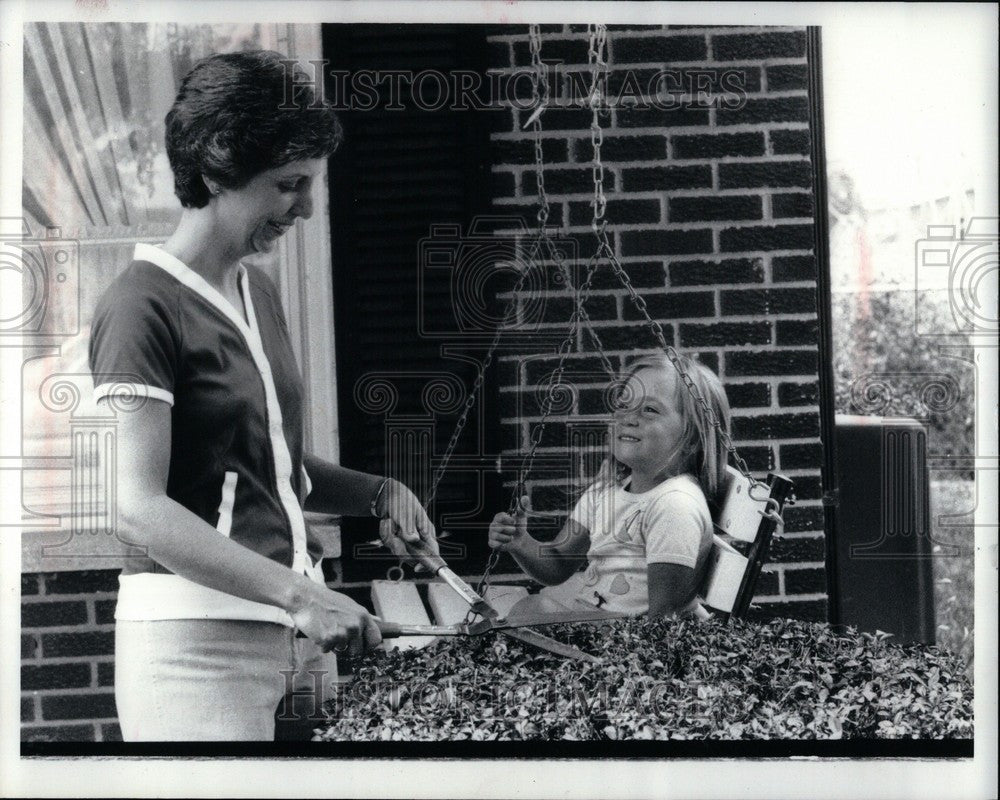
x=404 y=520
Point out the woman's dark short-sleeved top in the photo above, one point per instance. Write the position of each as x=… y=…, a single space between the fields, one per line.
x=164 y=333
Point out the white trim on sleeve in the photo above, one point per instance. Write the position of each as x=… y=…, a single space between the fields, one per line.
x=130 y=390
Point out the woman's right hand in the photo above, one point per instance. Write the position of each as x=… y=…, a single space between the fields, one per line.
x=334 y=621
x=506 y=529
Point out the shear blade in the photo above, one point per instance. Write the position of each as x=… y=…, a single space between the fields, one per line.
x=536 y=639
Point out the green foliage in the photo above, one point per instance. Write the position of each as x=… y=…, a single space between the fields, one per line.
x=880 y=337
x=954 y=566
x=660 y=680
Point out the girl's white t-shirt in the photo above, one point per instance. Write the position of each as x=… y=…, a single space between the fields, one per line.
x=668 y=524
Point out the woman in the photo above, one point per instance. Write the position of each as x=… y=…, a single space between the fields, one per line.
x=212 y=478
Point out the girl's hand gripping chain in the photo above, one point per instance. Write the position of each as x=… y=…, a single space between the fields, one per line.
x=506 y=529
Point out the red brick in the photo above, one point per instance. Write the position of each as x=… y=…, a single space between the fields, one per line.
x=628 y=337
x=29 y=645
x=79 y=706
x=748 y=395
x=640 y=179
x=787 y=77
x=672 y=305
x=41 y=615
x=797 y=548
x=790 y=142
x=793 y=268
x=27 y=709
x=737 y=47
x=767 y=584
x=798 y=394
x=565 y=51
x=725 y=333
x=642 y=274
x=623 y=148
x=776 y=426
x=666 y=49
x=772 y=362
x=659 y=118
x=707 y=273
x=718 y=145
x=756 y=111
x=106 y=671
x=105 y=611
x=805 y=581
x=759 y=458
x=78 y=644
x=111 y=732
x=665 y=242
x=57 y=733
x=745 y=302
x=761 y=174
x=55 y=676
x=83 y=582
x=798 y=331
x=803 y=518
x=790 y=206
x=566 y=181
x=522 y=151
x=620 y=212
x=801 y=456
x=29 y=584
x=723 y=207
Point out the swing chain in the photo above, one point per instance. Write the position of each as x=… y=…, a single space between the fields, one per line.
x=540 y=98
x=598 y=72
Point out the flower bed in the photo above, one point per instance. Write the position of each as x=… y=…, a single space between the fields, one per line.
x=659 y=680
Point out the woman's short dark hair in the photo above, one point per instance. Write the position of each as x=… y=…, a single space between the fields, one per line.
x=239 y=114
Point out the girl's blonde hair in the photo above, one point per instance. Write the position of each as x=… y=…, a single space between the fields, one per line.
x=702 y=452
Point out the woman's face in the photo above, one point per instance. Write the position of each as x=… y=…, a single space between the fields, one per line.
x=648 y=426
x=256 y=215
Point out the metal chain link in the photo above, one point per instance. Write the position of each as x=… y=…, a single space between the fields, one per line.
x=598 y=73
x=540 y=98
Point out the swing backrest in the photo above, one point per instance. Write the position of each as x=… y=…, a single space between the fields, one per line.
x=731 y=576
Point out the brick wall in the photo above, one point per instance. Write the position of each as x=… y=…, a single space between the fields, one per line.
x=67 y=656
x=710 y=211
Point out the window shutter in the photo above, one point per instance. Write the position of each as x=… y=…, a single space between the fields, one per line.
x=398 y=173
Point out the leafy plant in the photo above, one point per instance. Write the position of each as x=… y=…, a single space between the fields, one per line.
x=659 y=680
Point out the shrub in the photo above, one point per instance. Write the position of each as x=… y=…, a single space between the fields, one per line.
x=659 y=680
x=923 y=378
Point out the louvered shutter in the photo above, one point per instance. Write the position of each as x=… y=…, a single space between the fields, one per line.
x=398 y=173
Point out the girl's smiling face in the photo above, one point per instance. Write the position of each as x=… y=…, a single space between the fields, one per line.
x=256 y=215
x=648 y=426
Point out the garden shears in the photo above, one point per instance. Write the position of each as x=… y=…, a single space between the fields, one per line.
x=516 y=624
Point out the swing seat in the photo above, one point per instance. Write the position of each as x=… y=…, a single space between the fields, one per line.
x=730 y=576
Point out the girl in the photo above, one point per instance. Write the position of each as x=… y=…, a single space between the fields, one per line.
x=643 y=529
